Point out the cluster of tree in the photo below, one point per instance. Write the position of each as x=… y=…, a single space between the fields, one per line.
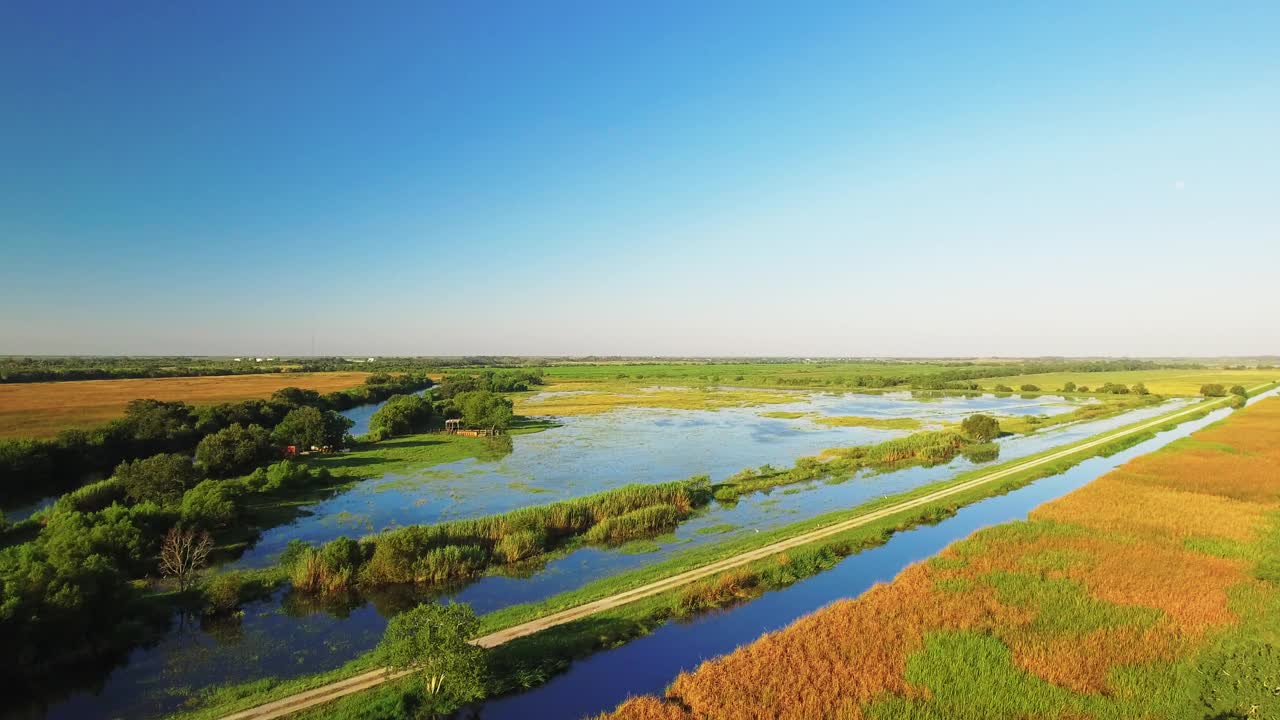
x=67 y=594
x=494 y=381
x=481 y=409
x=33 y=468
x=402 y=415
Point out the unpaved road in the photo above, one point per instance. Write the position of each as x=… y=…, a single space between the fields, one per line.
x=332 y=691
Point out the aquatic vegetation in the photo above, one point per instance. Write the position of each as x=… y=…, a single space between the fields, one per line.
x=464 y=548
x=1103 y=605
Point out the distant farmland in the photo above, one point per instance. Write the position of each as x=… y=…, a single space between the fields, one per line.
x=42 y=409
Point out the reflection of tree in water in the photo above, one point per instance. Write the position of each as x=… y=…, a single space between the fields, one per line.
x=983 y=453
x=297 y=603
x=496 y=447
x=224 y=628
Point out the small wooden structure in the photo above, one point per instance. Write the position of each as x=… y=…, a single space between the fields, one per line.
x=454 y=427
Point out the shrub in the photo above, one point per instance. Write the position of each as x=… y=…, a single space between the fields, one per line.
x=450 y=562
x=980 y=428
x=222 y=593
x=1140 y=389
x=1213 y=390
x=1000 y=388
x=92 y=497
x=1239 y=390
x=1028 y=387
x=1069 y=387
x=286 y=475
x=1083 y=389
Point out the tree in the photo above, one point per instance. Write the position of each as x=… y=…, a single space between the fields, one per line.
x=1028 y=387
x=981 y=428
x=1239 y=390
x=1213 y=390
x=1069 y=387
x=183 y=553
x=234 y=450
x=160 y=478
x=1140 y=389
x=432 y=640
x=401 y=415
x=1000 y=388
x=312 y=427
x=210 y=504
x=484 y=409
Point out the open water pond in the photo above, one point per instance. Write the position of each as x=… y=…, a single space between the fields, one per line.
x=290 y=635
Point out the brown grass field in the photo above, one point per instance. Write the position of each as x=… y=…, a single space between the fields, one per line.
x=1152 y=592
x=42 y=409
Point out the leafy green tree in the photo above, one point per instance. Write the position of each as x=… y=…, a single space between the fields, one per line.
x=1239 y=390
x=1028 y=387
x=484 y=409
x=312 y=427
x=432 y=641
x=1069 y=387
x=211 y=504
x=1001 y=388
x=1213 y=390
x=1139 y=389
x=980 y=428
x=401 y=415
x=234 y=450
x=160 y=478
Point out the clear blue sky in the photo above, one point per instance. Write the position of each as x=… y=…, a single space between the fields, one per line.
x=844 y=178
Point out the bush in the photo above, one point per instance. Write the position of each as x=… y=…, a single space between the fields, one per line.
x=1003 y=388
x=286 y=475
x=1069 y=387
x=1028 y=387
x=1140 y=389
x=1213 y=390
x=211 y=504
x=1083 y=389
x=222 y=593
x=92 y=497
x=980 y=428
x=234 y=450
x=1239 y=390
x=160 y=478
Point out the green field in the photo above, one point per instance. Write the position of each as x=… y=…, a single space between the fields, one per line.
x=1161 y=382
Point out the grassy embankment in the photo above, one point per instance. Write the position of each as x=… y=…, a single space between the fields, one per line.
x=40 y=410
x=529 y=661
x=1152 y=592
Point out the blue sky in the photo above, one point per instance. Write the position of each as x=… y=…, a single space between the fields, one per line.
x=646 y=178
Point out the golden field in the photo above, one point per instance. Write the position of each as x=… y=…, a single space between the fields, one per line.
x=42 y=409
x=1152 y=592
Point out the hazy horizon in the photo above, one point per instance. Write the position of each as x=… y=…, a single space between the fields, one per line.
x=822 y=180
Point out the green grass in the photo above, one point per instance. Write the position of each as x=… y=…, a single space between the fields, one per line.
x=529 y=661
x=783 y=415
x=1174 y=381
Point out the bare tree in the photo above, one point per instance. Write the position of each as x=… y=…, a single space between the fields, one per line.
x=183 y=553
